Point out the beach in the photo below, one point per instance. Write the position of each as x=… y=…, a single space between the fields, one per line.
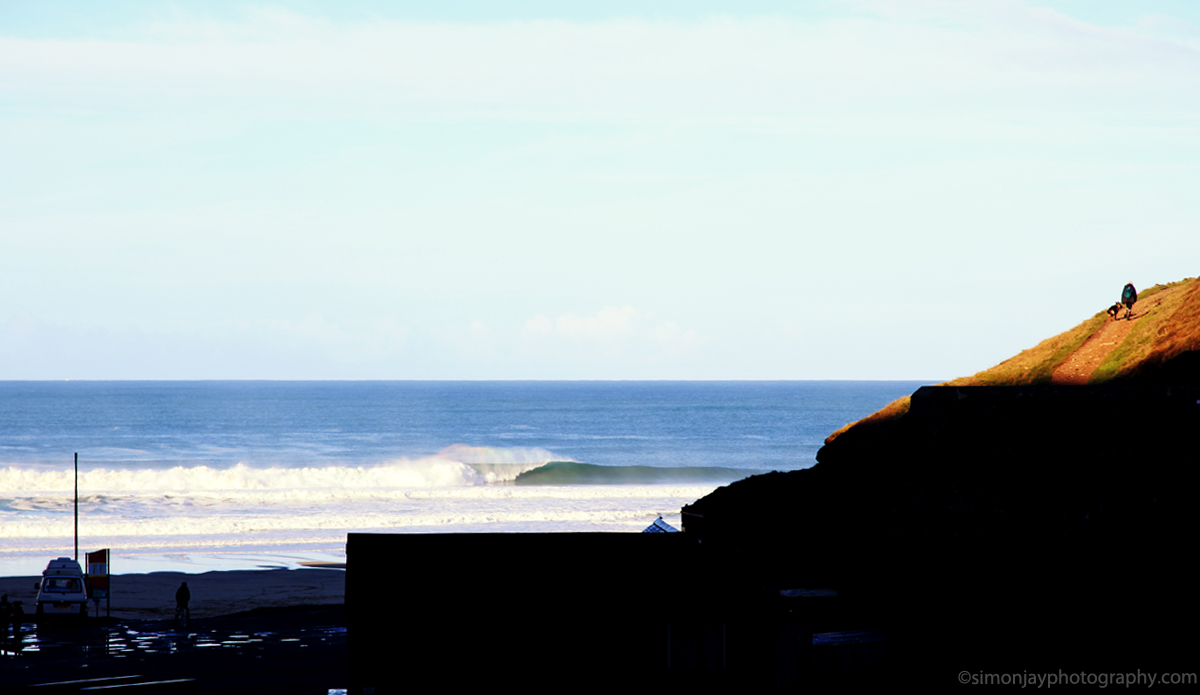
x=250 y=631
x=152 y=596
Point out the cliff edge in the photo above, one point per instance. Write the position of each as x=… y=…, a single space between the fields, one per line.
x=1158 y=342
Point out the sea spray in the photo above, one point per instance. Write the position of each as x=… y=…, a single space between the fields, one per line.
x=461 y=488
x=457 y=465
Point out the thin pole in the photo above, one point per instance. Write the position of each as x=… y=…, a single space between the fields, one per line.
x=76 y=506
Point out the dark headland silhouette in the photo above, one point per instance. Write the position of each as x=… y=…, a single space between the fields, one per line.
x=1030 y=518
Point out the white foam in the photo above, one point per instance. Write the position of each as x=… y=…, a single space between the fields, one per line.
x=200 y=509
x=457 y=465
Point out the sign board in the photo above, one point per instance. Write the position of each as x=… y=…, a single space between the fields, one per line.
x=97 y=575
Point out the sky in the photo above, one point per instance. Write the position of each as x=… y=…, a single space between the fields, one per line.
x=909 y=189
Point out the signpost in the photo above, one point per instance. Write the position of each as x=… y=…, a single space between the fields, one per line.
x=76 y=506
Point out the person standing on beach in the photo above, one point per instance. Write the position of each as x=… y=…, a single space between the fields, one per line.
x=1128 y=298
x=182 y=596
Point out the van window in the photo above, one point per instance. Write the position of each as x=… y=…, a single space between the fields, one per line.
x=62 y=585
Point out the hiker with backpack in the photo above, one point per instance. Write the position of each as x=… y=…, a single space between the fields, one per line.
x=1128 y=298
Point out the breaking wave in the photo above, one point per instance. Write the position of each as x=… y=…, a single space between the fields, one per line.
x=459 y=489
x=454 y=466
x=575 y=473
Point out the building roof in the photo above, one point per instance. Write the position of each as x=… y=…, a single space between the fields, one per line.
x=660 y=526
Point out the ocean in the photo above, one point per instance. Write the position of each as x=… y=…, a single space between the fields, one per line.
x=195 y=476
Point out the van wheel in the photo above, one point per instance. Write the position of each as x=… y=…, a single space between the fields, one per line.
x=40 y=609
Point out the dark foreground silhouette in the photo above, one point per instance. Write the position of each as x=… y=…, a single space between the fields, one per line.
x=995 y=529
x=295 y=650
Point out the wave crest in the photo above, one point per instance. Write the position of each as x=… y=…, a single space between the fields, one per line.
x=455 y=466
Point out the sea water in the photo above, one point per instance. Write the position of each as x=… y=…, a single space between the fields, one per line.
x=195 y=476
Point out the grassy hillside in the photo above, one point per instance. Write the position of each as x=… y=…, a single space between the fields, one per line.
x=1035 y=365
x=1168 y=329
x=1164 y=335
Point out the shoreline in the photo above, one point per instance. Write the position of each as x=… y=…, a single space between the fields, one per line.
x=184 y=561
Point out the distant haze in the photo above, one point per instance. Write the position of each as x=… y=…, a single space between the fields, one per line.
x=833 y=190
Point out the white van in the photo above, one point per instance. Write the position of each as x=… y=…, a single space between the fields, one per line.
x=62 y=590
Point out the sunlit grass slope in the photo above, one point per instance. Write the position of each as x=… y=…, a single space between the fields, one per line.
x=1160 y=335
x=1164 y=335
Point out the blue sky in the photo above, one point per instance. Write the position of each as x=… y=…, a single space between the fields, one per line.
x=830 y=190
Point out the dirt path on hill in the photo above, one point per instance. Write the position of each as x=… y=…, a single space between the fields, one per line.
x=1080 y=365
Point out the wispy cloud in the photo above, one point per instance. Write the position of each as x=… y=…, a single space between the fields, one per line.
x=612 y=328
x=908 y=58
x=606 y=324
x=355 y=341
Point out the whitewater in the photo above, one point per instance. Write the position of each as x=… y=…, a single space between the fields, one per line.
x=195 y=476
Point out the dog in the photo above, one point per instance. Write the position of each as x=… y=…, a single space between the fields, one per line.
x=1114 y=310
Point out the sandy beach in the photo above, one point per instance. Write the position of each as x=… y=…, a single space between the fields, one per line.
x=152 y=596
x=251 y=631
